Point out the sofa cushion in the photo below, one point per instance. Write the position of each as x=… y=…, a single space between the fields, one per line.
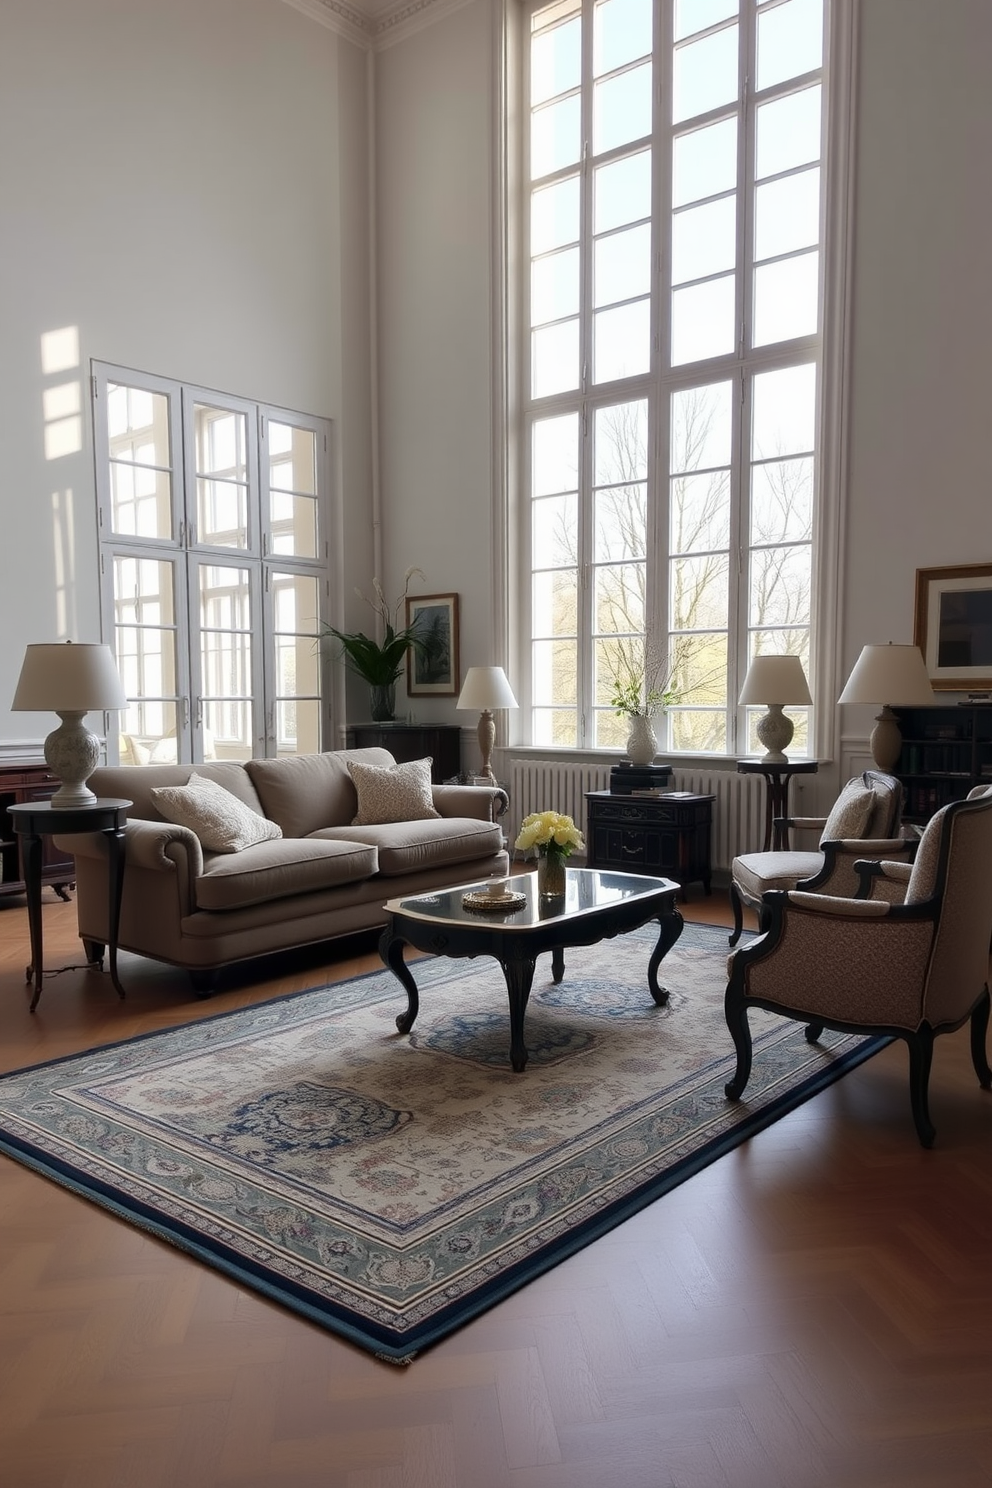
x=851 y=812
x=280 y=869
x=304 y=792
x=398 y=793
x=411 y=846
x=221 y=822
x=136 y=784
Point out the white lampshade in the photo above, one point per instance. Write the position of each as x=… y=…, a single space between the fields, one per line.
x=71 y=679
x=778 y=682
x=887 y=674
x=69 y=676
x=486 y=687
x=776 y=679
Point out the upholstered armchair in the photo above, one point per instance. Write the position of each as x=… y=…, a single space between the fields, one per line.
x=863 y=823
x=912 y=969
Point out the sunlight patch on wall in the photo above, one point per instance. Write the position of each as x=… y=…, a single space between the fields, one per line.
x=62 y=404
x=60 y=350
x=64 y=537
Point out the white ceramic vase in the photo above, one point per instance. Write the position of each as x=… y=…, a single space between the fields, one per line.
x=642 y=741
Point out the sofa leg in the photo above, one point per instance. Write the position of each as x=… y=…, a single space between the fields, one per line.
x=203 y=982
x=94 y=950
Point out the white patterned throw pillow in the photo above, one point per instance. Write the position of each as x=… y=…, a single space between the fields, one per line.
x=219 y=819
x=392 y=793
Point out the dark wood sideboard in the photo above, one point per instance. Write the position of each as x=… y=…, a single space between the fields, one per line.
x=21 y=784
x=411 y=741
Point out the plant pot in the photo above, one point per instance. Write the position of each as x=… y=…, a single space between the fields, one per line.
x=382 y=701
x=642 y=741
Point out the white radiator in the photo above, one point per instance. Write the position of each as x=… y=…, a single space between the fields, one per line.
x=560 y=785
x=552 y=785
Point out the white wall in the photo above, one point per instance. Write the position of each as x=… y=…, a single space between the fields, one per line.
x=435 y=223
x=185 y=183
x=920 y=472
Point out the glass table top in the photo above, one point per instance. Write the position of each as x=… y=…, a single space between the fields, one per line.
x=586 y=891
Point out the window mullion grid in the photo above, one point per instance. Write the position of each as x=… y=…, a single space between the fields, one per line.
x=585 y=650
x=740 y=479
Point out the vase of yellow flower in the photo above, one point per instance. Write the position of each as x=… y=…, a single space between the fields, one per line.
x=553 y=837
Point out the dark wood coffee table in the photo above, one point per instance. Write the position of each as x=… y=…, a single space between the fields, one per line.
x=597 y=905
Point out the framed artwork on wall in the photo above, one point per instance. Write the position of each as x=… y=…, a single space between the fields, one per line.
x=432 y=671
x=954 y=626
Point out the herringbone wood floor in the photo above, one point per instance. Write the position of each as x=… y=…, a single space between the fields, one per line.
x=814 y=1309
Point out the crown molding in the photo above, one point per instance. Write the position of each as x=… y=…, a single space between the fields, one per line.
x=372 y=24
x=345 y=20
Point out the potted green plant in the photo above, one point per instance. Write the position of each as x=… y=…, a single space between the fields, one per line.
x=380 y=662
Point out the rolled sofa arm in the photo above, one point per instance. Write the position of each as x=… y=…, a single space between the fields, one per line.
x=483 y=802
x=156 y=847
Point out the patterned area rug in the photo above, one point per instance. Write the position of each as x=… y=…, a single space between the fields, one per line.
x=391 y=1188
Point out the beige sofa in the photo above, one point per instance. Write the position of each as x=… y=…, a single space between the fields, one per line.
x=324 y=877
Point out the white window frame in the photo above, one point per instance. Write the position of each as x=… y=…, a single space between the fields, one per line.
x=831 y=345
x=185 y=553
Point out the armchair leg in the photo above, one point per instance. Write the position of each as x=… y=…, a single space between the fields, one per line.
x=979 y=1029
x=735 y=1009
x=920 y=1060
x=738 y=909
x=813 y=1031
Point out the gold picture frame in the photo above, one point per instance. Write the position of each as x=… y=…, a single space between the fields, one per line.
x=433 y=672
x=953 y=626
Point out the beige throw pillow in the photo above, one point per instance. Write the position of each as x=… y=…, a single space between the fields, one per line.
x=219 y=819
x=392 y=794
x=851 y=812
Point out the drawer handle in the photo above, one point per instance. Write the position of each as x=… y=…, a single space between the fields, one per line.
x=631 y=852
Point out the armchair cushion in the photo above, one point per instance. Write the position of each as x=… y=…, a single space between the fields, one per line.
x=756 y=872
x=851 y=812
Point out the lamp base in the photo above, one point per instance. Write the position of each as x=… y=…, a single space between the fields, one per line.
x=487 y=739
x=886 y=740
x=72 y=753
x=775 y=732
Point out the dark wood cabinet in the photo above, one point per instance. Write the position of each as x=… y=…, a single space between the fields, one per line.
x=946 y=750
x=20 y=785
x=666 y=835
x=410 y=741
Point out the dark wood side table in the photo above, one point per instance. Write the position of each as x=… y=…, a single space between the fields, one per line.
x=777 y=777
x=666 y=835
x=37 y=819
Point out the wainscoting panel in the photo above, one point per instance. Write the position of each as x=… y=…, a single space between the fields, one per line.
x=560 y=785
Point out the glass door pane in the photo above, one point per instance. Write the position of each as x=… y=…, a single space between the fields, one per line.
x=295 y=602
x=221 y=477
x=225 y=703
x=292 y=507
x=141 y=476
x=146 y=647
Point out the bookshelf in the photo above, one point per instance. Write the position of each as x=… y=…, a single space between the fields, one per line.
x=945 y=752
